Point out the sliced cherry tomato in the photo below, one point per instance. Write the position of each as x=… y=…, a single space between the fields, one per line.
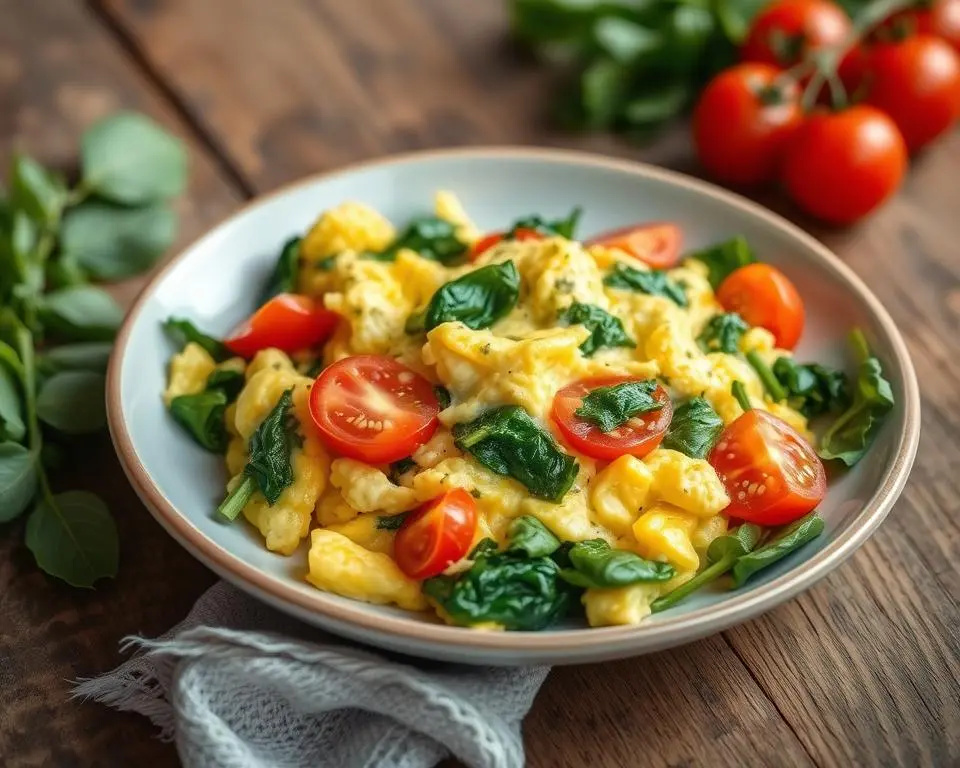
x=743 y=121
x=637 y=437
x=916 y=81
x=762 y=295
x=839 y=166
x=487 y=242
x=287 y=322
x=784 y=31
x=436 y=535
x=655 y=244
x=772 y=475
x=373 y=408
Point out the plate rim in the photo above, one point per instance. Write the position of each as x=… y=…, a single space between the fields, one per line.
x=597 y=641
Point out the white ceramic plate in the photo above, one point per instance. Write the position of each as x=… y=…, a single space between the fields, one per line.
x=215 y=281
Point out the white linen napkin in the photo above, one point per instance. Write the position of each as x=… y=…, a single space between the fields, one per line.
x=238 y=684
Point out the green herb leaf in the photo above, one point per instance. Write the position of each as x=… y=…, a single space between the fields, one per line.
x=73 y=402
x=770 y=383
x=270 y=447
x=604 y=86
x=606 y=330
x=284 y=276
x=613 y=406
x=430 y=236
x=11 y=406
x=787 y=540
x=722 y=333
x=527 y=534
x=652 y=281
x=130 y=160
x=81 y=313
x=36 y=192
x=477 y=299
x=400 y=468
x=226 y=380
x=723 y=258
x=73 y=537
x=812 y=389
x=694 y=429
x=509 y=442
x=595 y=565
x=443 y=396
x=201 y=415
x=391 y=522
x=182 y=332
x=18 y=480
x=557 y=227
x=625 y=41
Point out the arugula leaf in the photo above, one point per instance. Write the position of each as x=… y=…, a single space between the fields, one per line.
x=182 y=332
x=201 y=414
x=477 y=299
x=18 y=480
x=770 y=382
x=722 y=333
x=854 y=430
x=652 y=281
x=283 y=279
x=606 y=330
x=563 y=227
x=788 y=539
x=73 y=402
x=527 y=534
x=610 y=407
x=430 y=236
x=694 y=429
x=812 y=388
x=723 y=258
x=226 y=380
x=509 y=442
x=391 y=522
x=598 y=566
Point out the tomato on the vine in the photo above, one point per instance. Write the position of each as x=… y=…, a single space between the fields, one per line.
x=743 y=121
x=841 y=165
x=764 y=296
x=657 y=245
x=436 y=535
x=940 y=18
x=287 y=322
x=784 y=31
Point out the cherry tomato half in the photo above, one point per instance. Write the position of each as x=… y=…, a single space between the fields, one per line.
x=657 y=245
x=487 y=242
x=638 y=436
x=743 y=121
x=916 y=81
x=762 y=295
x=772 y=475
x=839 y=166
x=287 y=322
x=784 y=31
x=436 y=535
x=373 y=408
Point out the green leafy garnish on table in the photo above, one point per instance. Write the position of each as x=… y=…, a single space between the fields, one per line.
x=611 y=407
x=694 y=428
x=606 y=330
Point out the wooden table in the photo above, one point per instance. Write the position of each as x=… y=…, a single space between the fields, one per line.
x=860 y=670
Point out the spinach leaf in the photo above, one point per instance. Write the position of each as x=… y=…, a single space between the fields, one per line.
x=183 y=331
x=606 y=330
x=201 y=415
x=563 y=227
x=527 y=534
x=73 y=402
x=509 y=442
x=723 y=258
x=722 y=554
x=812 y=389
x=18 y=479
x=83 y=356
x=723 y=333
x=854 y=430
x=598 y=566
x=652 y=281
x=391 y=522
x=443 y=396
x=36 y=191
x=787 y=540
x=283 y=279
x=770 y=382
x=82 y=313
x=401 y=467
x=507 y=588
x=610 y=407
x=694 y=429
x=12 y=426
x=477 y=299
x=225 y=380
x=430 y=236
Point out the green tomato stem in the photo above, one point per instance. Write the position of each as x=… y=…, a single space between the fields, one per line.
x=705 y=576
x=237 y=499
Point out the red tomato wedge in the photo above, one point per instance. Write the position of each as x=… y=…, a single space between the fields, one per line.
x=762 y=295
x=637 y=437
x=436 y=535
x=657 y=245
x=772 y=475
x=373 y=409
x=487 y=242
x=287 y=322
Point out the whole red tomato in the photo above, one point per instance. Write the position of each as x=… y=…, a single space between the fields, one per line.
x=784 y=31
x=743 y=121
x=841 y=165
x=940 y=18
x=917 y=82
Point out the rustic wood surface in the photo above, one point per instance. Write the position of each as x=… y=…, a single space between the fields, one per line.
x=861 y=670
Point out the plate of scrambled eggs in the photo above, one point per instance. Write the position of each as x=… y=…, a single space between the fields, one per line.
x=506 y=406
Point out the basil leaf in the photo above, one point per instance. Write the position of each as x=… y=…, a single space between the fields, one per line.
x=722 y=333
x=129 y=159
x=812 y=389
x=595 y=565
x=391 y=522
x=854 y=430
x=613 y=406
x=561 y=227
x=228 y=381
x=84 y=356
x=430 y=236
x=18 y=480
x=81 y=313
x=35 y=191
x=270 y=447
x=183 y=332
x=73 y=402
x=111 y=242
x=694 y=429
x=477 y=299
x=284 y=276
x=11 y=406
x=606 y=330
x=723 y=258
x=509 y=442
x=73 y=537
x=788 y=539
x=527 y=534
x=443 y=396
x=201 y=414
x=652 y=281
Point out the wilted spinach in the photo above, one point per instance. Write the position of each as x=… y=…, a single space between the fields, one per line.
x=477 y=299
x=651 y=281
x=226 y=380
x=563 y=227
x=610 y=407
x=283 y=279
x=722 y=333
x=596 y=565
x=723 y=258
x=694 y=429
x=443 y=396
x=812 y=389
x=770 y=382
x=201 y=415
x=391 y=522
x=183 y=331
x=785 y=541
x=430 y=236
x=527 y=534
x=606 y=330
